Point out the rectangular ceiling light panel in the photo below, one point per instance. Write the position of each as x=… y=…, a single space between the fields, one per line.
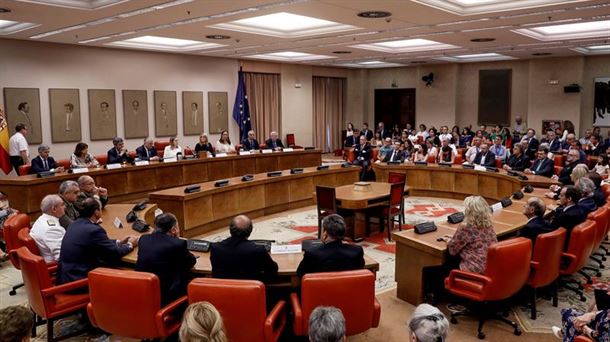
x=289 y=56
x=590 y=29
x=164 y=44
x=405 y=45
x=473 y=7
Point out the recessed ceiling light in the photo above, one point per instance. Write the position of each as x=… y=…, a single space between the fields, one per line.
x=405 y=45
x=9 y=27
x=594 y=50
x=541 y=54
x=479 y=57
x=289 y=56
x=342 y=52
x=482 y=40
x=371 y=64
x=217 y=36
x=374 y=14
x=5 y=10
x=472 y=7
x=568 y=31
x=164 y=43
x=284 y=25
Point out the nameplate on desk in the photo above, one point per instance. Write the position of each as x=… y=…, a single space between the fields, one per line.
x=192 y=188
x=221 y=183
x=285 y=249
x=117 y=223
x=468 y=166
x=296 y=171
x=512 y=173
x=45 y=174
x=221 y=154
x=480 y=168
x=288 y=149
x=142 y=163
x=274 y=173
x=491 y=169
x=267 y=150
x=170 y=160
x=253 y=151
x=80 y=170
x=496 y=206
x=247 y=178
x=113 y=166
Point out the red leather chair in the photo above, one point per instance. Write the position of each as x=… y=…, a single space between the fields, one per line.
x=458 y=159
x=132 y=154
x=394 y=208
x=577 y=254
x=582 y=339
x=600 y=216
x=63 y=162
x=160 y=147
x=397 y=177
x=349 y=154
x=558 y=169
x=431 y=159
x=606 y=189
x=47 y=300
x=507 y=270
x=242 y=305
x=102 y=159
x=545 y=262
x=128 y=304
x=28 y=242
x=188 y=151
x=290 y=140
x=326 y=202
x=24 y=170
x=353 y=292
x=262 y=146
x=499 y=163
x=560 y=160
x=11 y=228
x=374 y=155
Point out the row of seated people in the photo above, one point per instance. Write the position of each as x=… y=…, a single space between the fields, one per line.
x=150 y=150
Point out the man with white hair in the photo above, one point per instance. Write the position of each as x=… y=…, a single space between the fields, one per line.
x=69 y=191
x=273 y=142
x=44 y=162
x=326 y=324
x=47 y=231
x=587 y=191
x=88 y=189
x=428 y=324
x=473 y=150
x=250 y=142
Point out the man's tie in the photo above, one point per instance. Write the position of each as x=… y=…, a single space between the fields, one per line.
x=274 y=144
x=393 y=155
x=44 y=163
x=539 y=165
x=148 y=152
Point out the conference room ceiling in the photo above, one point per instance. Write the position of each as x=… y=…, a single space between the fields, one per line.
x=430 y=31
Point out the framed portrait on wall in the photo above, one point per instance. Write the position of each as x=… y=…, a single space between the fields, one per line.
x=22 y=105
x=65 y=115
x=601 y=102
x=135 y=113
x=102 y=114
x=166 y=119
x=192 y=112
x=218 y=111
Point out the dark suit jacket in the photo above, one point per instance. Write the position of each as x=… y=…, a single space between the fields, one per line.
x=587 y=204
x=351 y=141
x=204 y=147
x=386 y=133
x=596 y=151
x=84 y=247
x=247 y=145
x=399 y=156
x=37 y=165
x=363 y=153
x=564 y=175
x=368 y=134
x=534 y=228
x=167 y=257
x=490 y=159
x=237 y=258
x=278 y=143
x=546 y=169
x=331 y=257
x=567 y=219
x=532 y=147
x=554 y=145
x=599 y=197
x=115 y=157
x=143 y=154
x=518 y=163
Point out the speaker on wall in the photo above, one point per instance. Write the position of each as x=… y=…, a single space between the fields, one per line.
x=572 y=88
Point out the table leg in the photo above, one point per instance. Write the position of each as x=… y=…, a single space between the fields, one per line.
x=410 y=263
x=360 y=225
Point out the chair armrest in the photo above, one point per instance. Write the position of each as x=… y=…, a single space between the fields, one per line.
x=298 y=315
x=376 y=313
x=52 y=267
x=275 y=322
x=168 y=318
x=469 y=276
x=582 y=339
x=567 y=259
x=63 y=288
x=534 y=265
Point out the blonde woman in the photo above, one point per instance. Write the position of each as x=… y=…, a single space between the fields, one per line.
x=202 y=323
x=579 y=171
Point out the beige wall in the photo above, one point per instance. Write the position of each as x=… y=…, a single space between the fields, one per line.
x=594 y=67
x=297 y=105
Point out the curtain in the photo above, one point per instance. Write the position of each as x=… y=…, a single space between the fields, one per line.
x=328 y=111
x=264 y=98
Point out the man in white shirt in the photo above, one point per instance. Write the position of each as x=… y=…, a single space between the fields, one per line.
x=519 y=129
x=18 y=147
x=498 y=149
x=473 y=150
x=445 y=135
x=46 y=231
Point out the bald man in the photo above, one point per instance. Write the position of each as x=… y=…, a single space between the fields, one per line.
x=238 y=258
x=88 y=189
x=534 y=210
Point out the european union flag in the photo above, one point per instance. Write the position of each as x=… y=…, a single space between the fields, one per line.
x=241 y=109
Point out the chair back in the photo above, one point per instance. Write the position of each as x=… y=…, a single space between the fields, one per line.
x=290 y=140
x=397 y=177
x=558 y=169
x=24 y=170
x=396 y=195
x=241 y=303
x=431 y=159
x=374 y=153
x=499 y=163
x=559 y=160
x=63 y=162
x=458 y=159
x=102 y=159
x=326 y=199
x=26 y=240
x=350 y=155
x=35 y=277
x=124 y=302
x=580 y=246
x=606 y=189
x=132 y=154
x=547 y=255
x=353 y=292
x=508 y=265
x=600 y=217
x=10 y=232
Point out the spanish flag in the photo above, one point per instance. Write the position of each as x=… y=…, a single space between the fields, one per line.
x=5 y=160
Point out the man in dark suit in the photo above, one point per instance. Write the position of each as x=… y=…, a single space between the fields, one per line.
x=542 y=166
x=238 y=258
x=164 y=254
x=43 y=162
x=273 y=142
x=250 y=142
x=532 y=143
x=554 y=143
x=485 y=157
x=333 y=255
x=572 y=159
x=118 y=154
x=384 y=133
x=599 y=196
x=534 y=210
x=88 y=189
x=86 y=245
x=587 y=192
x=368 y=134
x=363 y=154
x=397 y=154
x=595 y=147
x=568 y=214
x=352 y=140
x=147 y=151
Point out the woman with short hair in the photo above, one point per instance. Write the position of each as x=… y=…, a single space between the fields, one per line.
x=428 y=324
x=82 y=158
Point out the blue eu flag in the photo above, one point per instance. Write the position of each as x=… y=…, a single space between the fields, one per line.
x=241 y=109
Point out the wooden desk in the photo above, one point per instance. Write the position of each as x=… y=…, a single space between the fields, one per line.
x=135 y=182
x=287 y=263
x=213 y=207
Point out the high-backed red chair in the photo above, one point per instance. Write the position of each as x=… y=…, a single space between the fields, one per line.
x=577 y=254
x=399 y=177
x=160 y=147
x=558 y=169
x=24 y=170
x=560 y=160
x=582 y=339
x=431 y=159
x=242 y=305
x=374 y=155
x=128 y=303
x=394 y=208
x=63 y=162
x=26 y=240
x=600 y=216
x=132 y=154
x=499 y=163
x=353 y=292
x=326 y=202
x=545 y=262
x=10 y=231
x=606 y=189
x=350 y=156
x=47 y=300
x=290 y=140
x=458 y=159
x=507 y=270
x=102 y=159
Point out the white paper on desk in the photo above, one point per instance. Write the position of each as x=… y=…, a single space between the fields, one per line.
x=117 y=223
x=142 y=162
x=267 y=150
x=80 y=170
x=495 y=207
x=113 y=166
x=480 y=168
x=285 y=249
x=288 y=149
x=221 y=154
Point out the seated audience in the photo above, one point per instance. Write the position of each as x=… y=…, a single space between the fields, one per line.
x=433 y=138
x=598 y=195
x=587 y=138
x=118 y=154
x=398 y=154
x=147 y=151
x=498 y=149
x=250 y=142
x=432 y=150
x=238 y=258
x=68 y=192
x=485 y=157
x=594 y=324
x=542 y=166
x=534 y=210
x=333 y=255
x=223 y=145
x=201 y=322
x=86 y=245
x=428 y=324
x=420 y=153
x=368 y=134
x=568 y=142
x=554 y=143
x=88 y=189
x=276 y=144
x=326 y=324
x=601 y=167
x=173 y=149
x=447 y=154
x=385 y=133
x=82 y=158
x=15 y=324
x=43 y=162
x=352 y=140
x=518 y=161
x=387 y=147
x=377 y=141
x=363 y=152
x=572 y=159
x=47 y=231
x=532 y=143
x=587 y=191
x=163 y=253
x=568 y=214
x=473 y=150
x=445 y=134
x=422 y=134
x=595 y=147
x=204 y=146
